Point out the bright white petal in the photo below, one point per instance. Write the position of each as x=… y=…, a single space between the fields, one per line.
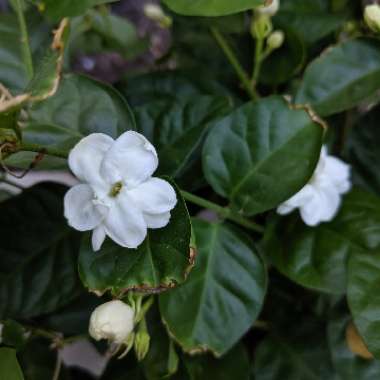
x=297 y=200
x=339 y=174
x=86 y=157
x=157 y=220
x=131 y=159
x=125 y=223
x=98 y=237
x=80 y=211
x=154 y=196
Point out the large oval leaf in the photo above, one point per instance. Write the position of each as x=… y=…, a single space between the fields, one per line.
x=211 y=7
x=261 y=154
x=223 y=295
x=317 y=257
x=160 y=262
x=342 y=77
x=80 y=107
x=36 y=248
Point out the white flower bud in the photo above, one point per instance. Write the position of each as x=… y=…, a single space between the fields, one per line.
x=155 y=13
x=269 y=10
x=372 y=17
x=113 y=321
x=276 y=39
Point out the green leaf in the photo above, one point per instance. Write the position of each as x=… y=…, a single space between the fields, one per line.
x=69 y=8
x=316 y=257
x=177 y=128
x=348 y=365
x=38 y=254
x=160 y=262
x=170 y=85
x=302 y=356
x=223 y=295
x=13 y=73
x=363 y=151
x=117 y=32
x=248 y=151
x=80 y=107
x=13 y=334
x=211 y=7
x=9 y=367
x=311 y=19
x=341 y=77
x=363 y=299
x=234 y=365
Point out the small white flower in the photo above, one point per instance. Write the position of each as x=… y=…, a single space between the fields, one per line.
x=372 y=17
x=320 y=199
x=113 y=321
x=269 y=10
x=118 y=196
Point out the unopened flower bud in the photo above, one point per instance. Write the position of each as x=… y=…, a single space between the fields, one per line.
x=372 y=17
x=155 y=13
x=261 y=27
x=142 y=341
x=269 y=10
x=113 y=321
x=276 y=39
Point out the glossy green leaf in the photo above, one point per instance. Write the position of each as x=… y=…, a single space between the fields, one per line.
x=341 y=77
x=38 y=254
x=211 y=7
x=249 y=151
x=316 y=257
x=69 y=8
x=13 y=73
x=13 y=334
x=177 y=128
x=9 y=367
x=223 y=295
x=160 y=262
x=233 y=365
x=363 y=150
x=363 y=299
x=311 y=19
x=80 y=107
x=302 y=356
x=348 y=365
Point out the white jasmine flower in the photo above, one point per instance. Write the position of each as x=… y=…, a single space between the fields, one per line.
x=372 y=17
x=118 y=196
x=269 y=10
x=320 y=199
x=113 y=321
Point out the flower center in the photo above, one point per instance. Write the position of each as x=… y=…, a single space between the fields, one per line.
x=115 y=189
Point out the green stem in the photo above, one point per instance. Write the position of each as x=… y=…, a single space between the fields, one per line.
x=44 y=150
x=25 y=47
x=224 y=212
x=258 y=60
x=243 y=76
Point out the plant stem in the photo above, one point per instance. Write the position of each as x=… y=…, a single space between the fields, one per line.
x=58 y=366
x=25 y=47
x=243 y=76
x=258 y=60
x=225 y=212
x=44 y=150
